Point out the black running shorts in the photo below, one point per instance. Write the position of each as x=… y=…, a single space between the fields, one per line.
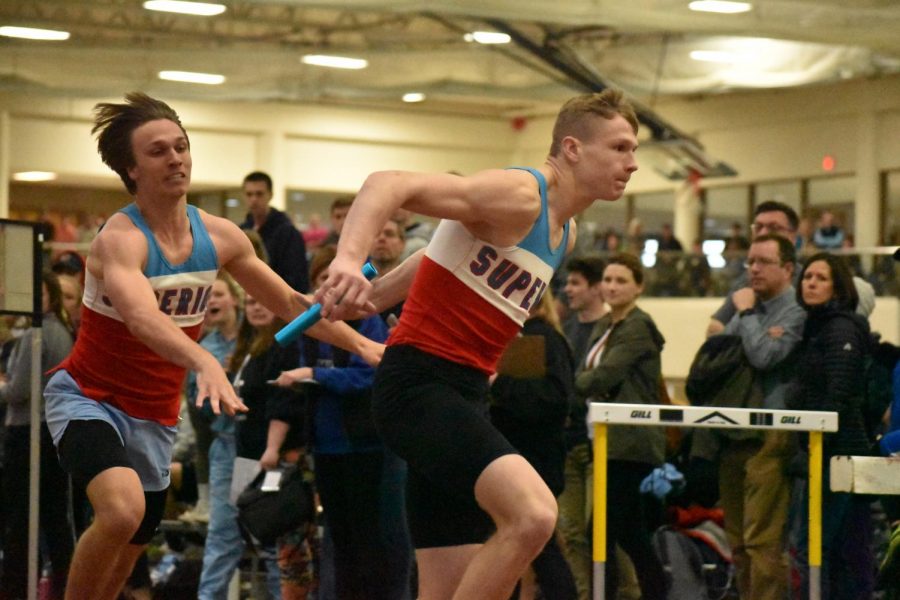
x=433 y=413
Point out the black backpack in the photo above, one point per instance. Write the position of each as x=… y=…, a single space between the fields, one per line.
x=879 y=393
x=720 y=375
x=693 y=570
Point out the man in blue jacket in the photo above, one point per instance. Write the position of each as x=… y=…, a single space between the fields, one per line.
x=284 y=244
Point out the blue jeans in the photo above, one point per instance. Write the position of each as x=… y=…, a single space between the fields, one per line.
x=224 y=544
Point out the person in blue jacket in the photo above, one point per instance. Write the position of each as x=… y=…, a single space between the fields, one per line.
x=360 y=482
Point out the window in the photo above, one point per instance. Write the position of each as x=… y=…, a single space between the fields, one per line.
x=726 y=206
x=835 y=194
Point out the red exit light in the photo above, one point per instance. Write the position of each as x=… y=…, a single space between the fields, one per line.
x=828 y=163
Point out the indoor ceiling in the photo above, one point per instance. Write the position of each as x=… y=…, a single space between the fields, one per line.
x=558 y=48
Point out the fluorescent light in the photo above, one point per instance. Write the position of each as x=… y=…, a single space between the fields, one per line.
x=413 y=97
x=720 y=6
x=189 y=77
x=30 y=33
x=715 y=56
x=34 y=176
x=487 y=37
x=203 y=9
x=335 y=62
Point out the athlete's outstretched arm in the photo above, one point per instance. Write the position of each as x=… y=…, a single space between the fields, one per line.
x=491 y=203
x=117 y=256
x=260 y=281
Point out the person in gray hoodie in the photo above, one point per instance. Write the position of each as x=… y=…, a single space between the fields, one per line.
x=623 y=366
x=57 y=337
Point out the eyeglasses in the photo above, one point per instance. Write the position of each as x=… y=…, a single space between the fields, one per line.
x=769 y=227
x=762 y=262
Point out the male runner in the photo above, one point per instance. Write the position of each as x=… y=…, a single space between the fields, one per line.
x=113 y=405
x=504 y=232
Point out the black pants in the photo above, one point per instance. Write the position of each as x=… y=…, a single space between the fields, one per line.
x=56 y=527
x=553 y=574
x=628 y=526
x=372 y=552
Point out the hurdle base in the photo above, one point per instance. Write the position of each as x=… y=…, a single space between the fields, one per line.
x=599 y=581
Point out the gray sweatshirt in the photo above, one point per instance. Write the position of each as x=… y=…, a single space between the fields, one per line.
x=56 y=343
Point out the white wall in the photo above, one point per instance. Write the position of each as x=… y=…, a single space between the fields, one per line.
x=769 y=135
x=305 y=147
x=765 y=135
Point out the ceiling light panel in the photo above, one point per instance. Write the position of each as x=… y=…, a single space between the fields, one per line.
x=720 y=6
x=191 y=77
x=335 y=62
x=31 y=33
x=487 y=37
x=34 y=176
x=202 y=9
x=413 y=97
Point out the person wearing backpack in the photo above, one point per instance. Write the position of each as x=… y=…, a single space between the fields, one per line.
x=831 y=377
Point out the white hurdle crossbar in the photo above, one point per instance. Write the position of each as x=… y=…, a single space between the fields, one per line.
x=602 y=415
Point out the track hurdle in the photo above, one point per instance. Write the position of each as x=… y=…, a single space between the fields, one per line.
x=601 y=416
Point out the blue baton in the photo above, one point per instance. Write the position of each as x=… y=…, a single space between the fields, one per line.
x=311 y=315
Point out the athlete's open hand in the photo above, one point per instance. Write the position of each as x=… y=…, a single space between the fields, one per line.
x=345 y=294
x=213 y=384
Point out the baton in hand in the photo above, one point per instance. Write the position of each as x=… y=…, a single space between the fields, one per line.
x=311 y=315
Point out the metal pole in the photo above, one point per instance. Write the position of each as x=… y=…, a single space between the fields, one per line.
x=601 y=433
x=815 y=515
x=34 y=475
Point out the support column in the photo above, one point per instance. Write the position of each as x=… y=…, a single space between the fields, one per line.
x=4 y=163
x=270 y=157
x=867 y=223
x=686 y=224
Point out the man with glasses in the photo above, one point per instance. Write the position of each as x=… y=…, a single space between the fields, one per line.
x=771 y=217
x=753 y=484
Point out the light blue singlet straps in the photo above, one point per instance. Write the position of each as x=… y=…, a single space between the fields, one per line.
x=538 y=239
x=203 y=254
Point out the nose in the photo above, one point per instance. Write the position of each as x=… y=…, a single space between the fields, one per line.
x=632 y=163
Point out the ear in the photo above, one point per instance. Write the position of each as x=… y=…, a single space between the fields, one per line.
x=571 y=148
x=132 y=171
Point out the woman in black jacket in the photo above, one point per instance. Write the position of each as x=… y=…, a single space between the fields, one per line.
x=272 y=431
x=831 y=377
